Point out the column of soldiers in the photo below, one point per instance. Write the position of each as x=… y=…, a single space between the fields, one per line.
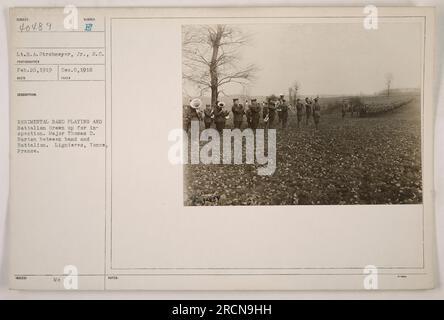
x=252 y=112
x=355 y=109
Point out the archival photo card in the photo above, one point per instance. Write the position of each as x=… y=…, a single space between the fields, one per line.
x=222 y=148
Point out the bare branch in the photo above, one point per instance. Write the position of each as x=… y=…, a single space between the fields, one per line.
x=210 y=57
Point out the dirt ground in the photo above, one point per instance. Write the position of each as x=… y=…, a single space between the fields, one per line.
x=371 y=160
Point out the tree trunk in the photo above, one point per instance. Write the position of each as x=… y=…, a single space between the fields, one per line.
x=214 y=95
x=215 y=43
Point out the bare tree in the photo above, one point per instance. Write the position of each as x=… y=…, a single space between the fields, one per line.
x=388 y=82
x=211 y=58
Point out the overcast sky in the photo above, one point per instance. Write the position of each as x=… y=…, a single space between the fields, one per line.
x=332 y=58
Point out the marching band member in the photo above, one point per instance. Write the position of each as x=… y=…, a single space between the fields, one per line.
x=192 y=113
x=238 y=113
x=220 y=116
x=271 y=112
x=255 y=114
x=208 y=116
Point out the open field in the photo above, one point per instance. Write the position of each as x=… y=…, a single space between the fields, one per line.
x=370 y=160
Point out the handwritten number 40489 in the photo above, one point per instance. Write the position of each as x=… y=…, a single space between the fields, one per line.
x=35 y=27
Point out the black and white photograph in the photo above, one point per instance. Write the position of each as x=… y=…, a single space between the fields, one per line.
x=342 y=103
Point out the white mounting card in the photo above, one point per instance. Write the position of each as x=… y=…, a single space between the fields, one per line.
x=221 y=148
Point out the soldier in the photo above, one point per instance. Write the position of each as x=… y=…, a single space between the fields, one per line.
x=284 y=113
x=316 y=112
x=208 y=116
x=299 y=111
x=192 y=113
x=271 y=112
x=278 y=107
x=220 y=116
x=238 y=113
x=255 y=114
x=265 y=114
x=307 y=110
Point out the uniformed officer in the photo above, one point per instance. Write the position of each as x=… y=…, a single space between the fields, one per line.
x=220 y=116
x=284 y=113
x=271 y=112
x=308 y=110
x=255 y=114
x=316 y=112
x=208 y=116
x=238 y=113
x=299 y=111
x=192 y=113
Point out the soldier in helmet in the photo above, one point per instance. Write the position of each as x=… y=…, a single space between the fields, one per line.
x=192 y=113
x=238 y=113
